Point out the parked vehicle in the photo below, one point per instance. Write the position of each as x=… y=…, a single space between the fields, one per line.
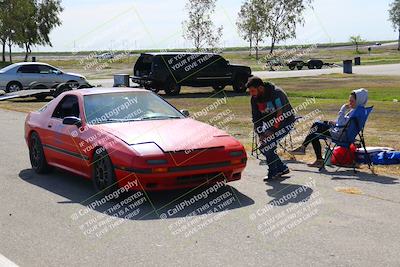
x=20 y=76
x=299 y=64
x=311 y=64
x=137 y=138
x=315 y=64
x=105 y=56
x=170 y=71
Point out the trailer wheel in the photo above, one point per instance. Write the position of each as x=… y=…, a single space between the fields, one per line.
x=299 y=67
x=292 y=67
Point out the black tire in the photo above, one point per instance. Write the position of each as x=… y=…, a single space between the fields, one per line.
x=103 y=175
x=13 y=87
x=172 y=88
x=61 y=88
x=299 y=67
x=239 y=83
x=36 y=155
x=152 y=89
x=218 y=87
x=319 y=67
x=41 y=97
x=84 y=86
x=73 y=84
x=291 y=67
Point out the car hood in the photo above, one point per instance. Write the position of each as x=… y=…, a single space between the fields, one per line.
x=170 y=135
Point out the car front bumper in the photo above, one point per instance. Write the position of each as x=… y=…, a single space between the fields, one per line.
x=176 y=179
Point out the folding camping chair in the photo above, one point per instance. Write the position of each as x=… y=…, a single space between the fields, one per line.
x=283 y=144
x=353 y=132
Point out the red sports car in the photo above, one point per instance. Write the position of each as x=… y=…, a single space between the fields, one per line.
x=130 y=138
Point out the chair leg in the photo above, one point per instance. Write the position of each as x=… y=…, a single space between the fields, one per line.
x=328 y=154
x=370 y=166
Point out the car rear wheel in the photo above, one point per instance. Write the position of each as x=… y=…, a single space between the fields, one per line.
x=36 y=155
x=13 y=87
x=103 y=172
x=172 y=88
x=239 y=83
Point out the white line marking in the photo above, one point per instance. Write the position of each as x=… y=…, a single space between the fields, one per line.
x=4 y=262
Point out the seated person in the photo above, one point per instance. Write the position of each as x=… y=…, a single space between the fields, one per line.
x=332 y=129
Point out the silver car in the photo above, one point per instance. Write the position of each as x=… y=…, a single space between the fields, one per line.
x=21 y=76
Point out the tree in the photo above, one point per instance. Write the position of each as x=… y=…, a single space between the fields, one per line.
x=5 y=25
x=199 y=27
x=250 y=24
x=394 y=17
x=282 y=17
x=356 y=41
x=41 y=17
x=27 y=23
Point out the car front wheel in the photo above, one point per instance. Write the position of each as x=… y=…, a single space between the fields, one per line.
x=36 y=155
x=73 y=84
x=103 y=172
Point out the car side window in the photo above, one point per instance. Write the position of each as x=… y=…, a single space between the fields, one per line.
x=28 y=69
x=68 y=107
x=43 y=69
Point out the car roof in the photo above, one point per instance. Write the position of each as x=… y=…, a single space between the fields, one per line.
x=30 y=63
x=101 y=90
x=176 y=53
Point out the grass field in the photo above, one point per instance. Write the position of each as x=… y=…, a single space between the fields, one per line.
x=330 y=91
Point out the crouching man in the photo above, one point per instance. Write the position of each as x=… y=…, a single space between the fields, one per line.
x=273 y=118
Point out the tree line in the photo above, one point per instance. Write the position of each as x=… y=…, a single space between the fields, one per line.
x=27 y=23
x=257 y=21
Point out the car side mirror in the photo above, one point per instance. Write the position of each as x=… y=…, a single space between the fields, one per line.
x=72 y=121
x=185 y=112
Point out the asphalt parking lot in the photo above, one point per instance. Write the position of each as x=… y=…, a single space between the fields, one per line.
x=309 y=219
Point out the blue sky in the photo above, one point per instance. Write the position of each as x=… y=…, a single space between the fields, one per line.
x=140 y=24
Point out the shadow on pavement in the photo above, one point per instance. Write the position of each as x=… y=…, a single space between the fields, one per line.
x=365 y=177
x=140 y=205
x=285 y=194
x=350 y=175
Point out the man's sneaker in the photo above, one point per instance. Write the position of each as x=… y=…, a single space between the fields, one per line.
x=299 y=151
x=271 y=177
x=284 y=172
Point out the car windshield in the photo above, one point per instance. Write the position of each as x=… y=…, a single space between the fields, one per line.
x=5 y=69
x=127 y=106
